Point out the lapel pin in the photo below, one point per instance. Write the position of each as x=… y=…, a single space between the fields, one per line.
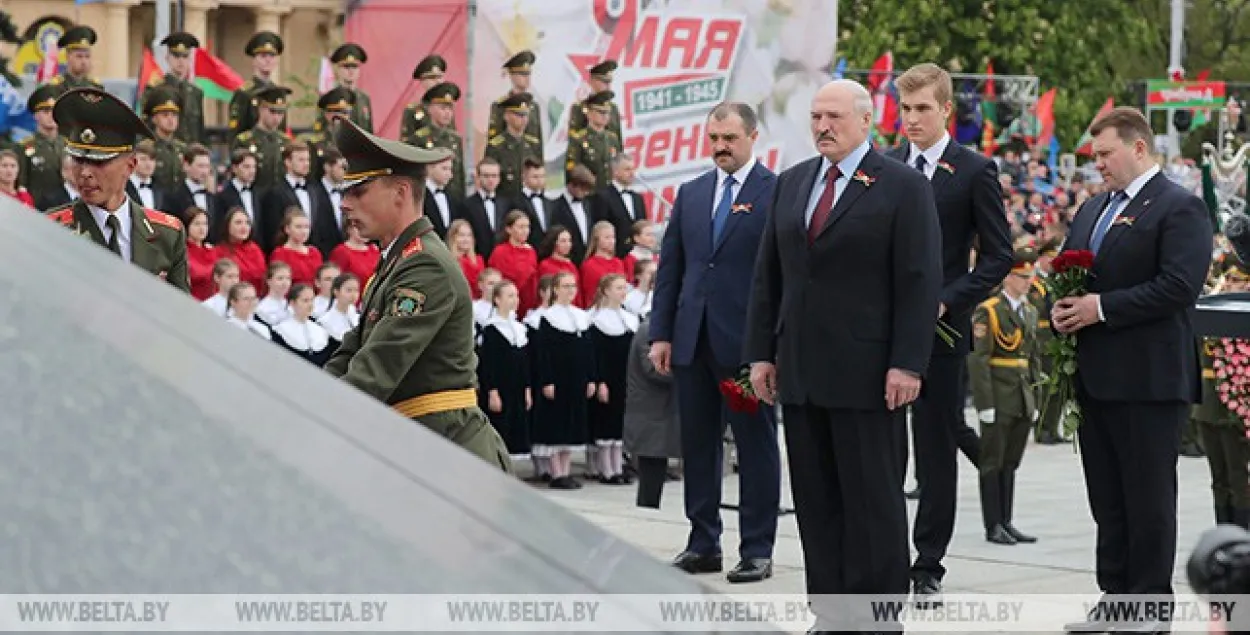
x=863 y=177
x=950 y=169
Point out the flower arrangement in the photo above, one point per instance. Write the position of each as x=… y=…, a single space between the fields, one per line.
x=1231 y=362
x=739 y=394
x=1072 y=270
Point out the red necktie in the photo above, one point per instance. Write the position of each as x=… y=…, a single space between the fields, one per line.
x=824 y=206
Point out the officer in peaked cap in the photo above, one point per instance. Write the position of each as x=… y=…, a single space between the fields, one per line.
x=595 y=145
x=347 y=60
x=264 y=48
x=335 y=104
x=600 y=81
x=429 y=72
x=419 y=302
x=76 y=42
x=513 y=145
x=265 y=139
x=163 y=107
x=519 y=68
x=179 y=48
x=101 y=132
x=438 y=133
x=40 y=153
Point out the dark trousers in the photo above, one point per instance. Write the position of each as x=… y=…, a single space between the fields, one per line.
x=1228 y=452
x=1129 y=454
x=703 y=415
x=847 y=477
x=939 y=431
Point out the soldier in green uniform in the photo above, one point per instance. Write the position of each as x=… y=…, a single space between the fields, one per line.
x=101 y=131
x=440 y=102
x=40 y=168
x=347 y=60
x=266 y=139
x=180 y=47
x=1002 y=377
x=519 y=68
x=511 y=147
x=1047 y=432
x=594 y=146
x=76 y=42
x=162 y=107
x=336 y=104
x=413 y=348
x=264 y=49
x=1223 y=432
x=429 y=72
x=600 y=81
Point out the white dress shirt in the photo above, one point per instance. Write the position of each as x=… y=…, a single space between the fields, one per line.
x=488 y=203
x=123 y=215
x=1131 y=191
x=147 y=196
x=932 y=156
x=440 y=200
x=199 y=194
x=245 y=195
x=740 y=177
x=579 y=214
x=336 y=199
x=537 y=201
x=848 y=165
x=625 y=192
x=301 y=193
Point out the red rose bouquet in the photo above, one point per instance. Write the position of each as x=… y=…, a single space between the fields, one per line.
x=739 y=394
x=1231 y=362
x=1070 y=274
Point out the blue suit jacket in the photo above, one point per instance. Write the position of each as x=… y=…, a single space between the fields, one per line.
x=701 y=285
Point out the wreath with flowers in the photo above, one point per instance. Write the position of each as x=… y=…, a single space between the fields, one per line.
x=1231 y=362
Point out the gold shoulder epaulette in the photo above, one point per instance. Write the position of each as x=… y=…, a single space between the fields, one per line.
x=1041 y=288
x=56 y=80
x=161 y=218
x=531 y=138
x=246 y=134
x=496 y=140
x=991 y=303
x=577 y=134
x=423 y=132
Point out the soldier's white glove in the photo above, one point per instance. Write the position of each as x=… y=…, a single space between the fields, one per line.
x=986 y=416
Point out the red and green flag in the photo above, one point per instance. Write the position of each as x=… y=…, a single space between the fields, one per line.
x=1085 y=145
x=989 y=111
x=214 y=76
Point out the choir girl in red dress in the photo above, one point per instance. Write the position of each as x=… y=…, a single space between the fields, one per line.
x=8 y=179
x=200 y=255
x=642 y=247
x=293 y=247
x=516 y=259
x=600 y=259
x=240 y=248
x=460 y=240
x=553 y=257
x=355 y=255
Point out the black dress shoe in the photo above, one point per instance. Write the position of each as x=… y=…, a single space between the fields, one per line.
x=926 y=592
x=692 y=562
x=751 y=570
x=1017 y=534
x=999 y=536
x=913 y=494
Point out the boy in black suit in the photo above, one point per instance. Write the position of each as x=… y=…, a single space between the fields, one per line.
x=193 y=191
x=240 y=191
x=575 y=211
x=618 y=204
x=485 y=209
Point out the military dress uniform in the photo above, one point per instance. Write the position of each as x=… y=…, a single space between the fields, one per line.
x=191 y=97
x=1002 y=378
x=100 y=127
x=415 y=117
x=243 y=105
x=1050 y=409
x=413 y=348
x=435 y=136
x=577 y=115
x=1223 y=433
x=336 y=102
x=75 y=39
x=169 y=173
x=592 y=148
x=520 y=64
x=349 y=55
x=511 y=151
x=40 y=155
x=266 y=144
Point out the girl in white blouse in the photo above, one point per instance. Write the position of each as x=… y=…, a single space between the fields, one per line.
x=225 y=276
x=327 y=273
x=275 y=307
x=342 y=316
x=299 y=333
x=243 y=310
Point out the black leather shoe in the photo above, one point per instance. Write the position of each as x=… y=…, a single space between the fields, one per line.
x=1017 y=534
x=999 y=536
x=692 y=562
x=913 y=494
x=751 y=570
x=926 y=592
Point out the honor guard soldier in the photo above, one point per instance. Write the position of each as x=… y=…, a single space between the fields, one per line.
x=519 y=68
x=337 y=103
x=101 y=132
x=347 y=60
x=413 y=349
x=429 y=72
x=511 y=147
x=1002 y=378
x=76 y=42
x=266 y=139
x=595 y=146
x=1223 y=432
x=440 y=103
x=41 y=152
x=161 y=106
x=264 y=49
x=180 y=46
x=600 y=81
x=1048 y=432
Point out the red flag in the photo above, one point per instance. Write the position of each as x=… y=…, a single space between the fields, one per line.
x=1085 y=145
x=149 y=71
x=1046 y=116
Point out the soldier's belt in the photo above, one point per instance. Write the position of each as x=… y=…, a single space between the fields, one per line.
x=1009 y=362
x=436 y=402
x=1208 y=373
x=1043 y=324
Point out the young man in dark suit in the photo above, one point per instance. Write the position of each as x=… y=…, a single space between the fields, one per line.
x=620 y=205
x=297 y=190
x=140 y=187
x=193 y=191
x=575 y=211
x=485 y=209
x=840 y=331
x=533 y=199
x=1138 y=368
x=441 y=204
x=968 y=199
x=697 y=325
x=329 y=196
x=240 y=191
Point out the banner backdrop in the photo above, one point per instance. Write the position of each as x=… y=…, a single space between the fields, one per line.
x=677 y=60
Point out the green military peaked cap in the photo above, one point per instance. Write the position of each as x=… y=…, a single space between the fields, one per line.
x=444 y=93
x=370 y=156
x=97 y=126
x=77 y=38
x=522 y=63
x=603 y=70
x=600 y=100
x=519 y=102
x=272 y=97
x=43 y=98
x=161 y=100
x=349 y=54
x=180 y=43
x=430 y=66
x=264 y=42
x=337 y=100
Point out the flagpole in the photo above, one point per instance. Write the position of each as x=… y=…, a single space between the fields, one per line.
x=1175 y=68
x=161 y=31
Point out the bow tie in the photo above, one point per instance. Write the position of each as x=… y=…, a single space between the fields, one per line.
x=337 y=190
x=488 y=199
x=245 y=188
x=536 y=195
x=145 y=186
x=199 y=192
x=438 y=191
x=300 y=186
x=577 y=200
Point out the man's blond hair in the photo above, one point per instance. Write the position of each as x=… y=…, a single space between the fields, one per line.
x=927 y=74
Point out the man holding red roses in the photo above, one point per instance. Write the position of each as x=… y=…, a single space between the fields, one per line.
x=1137 y=367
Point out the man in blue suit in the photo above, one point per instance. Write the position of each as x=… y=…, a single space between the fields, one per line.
x=698 y=322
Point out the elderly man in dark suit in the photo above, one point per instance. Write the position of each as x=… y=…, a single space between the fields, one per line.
x=697 y=325
x=969 y=204
x=1138 y=369
x=840 y=331
x=620 y=205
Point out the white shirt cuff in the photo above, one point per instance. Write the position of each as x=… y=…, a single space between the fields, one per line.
x=1101 y=317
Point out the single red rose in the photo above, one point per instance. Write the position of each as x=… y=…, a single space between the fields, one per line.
x=728 y=388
